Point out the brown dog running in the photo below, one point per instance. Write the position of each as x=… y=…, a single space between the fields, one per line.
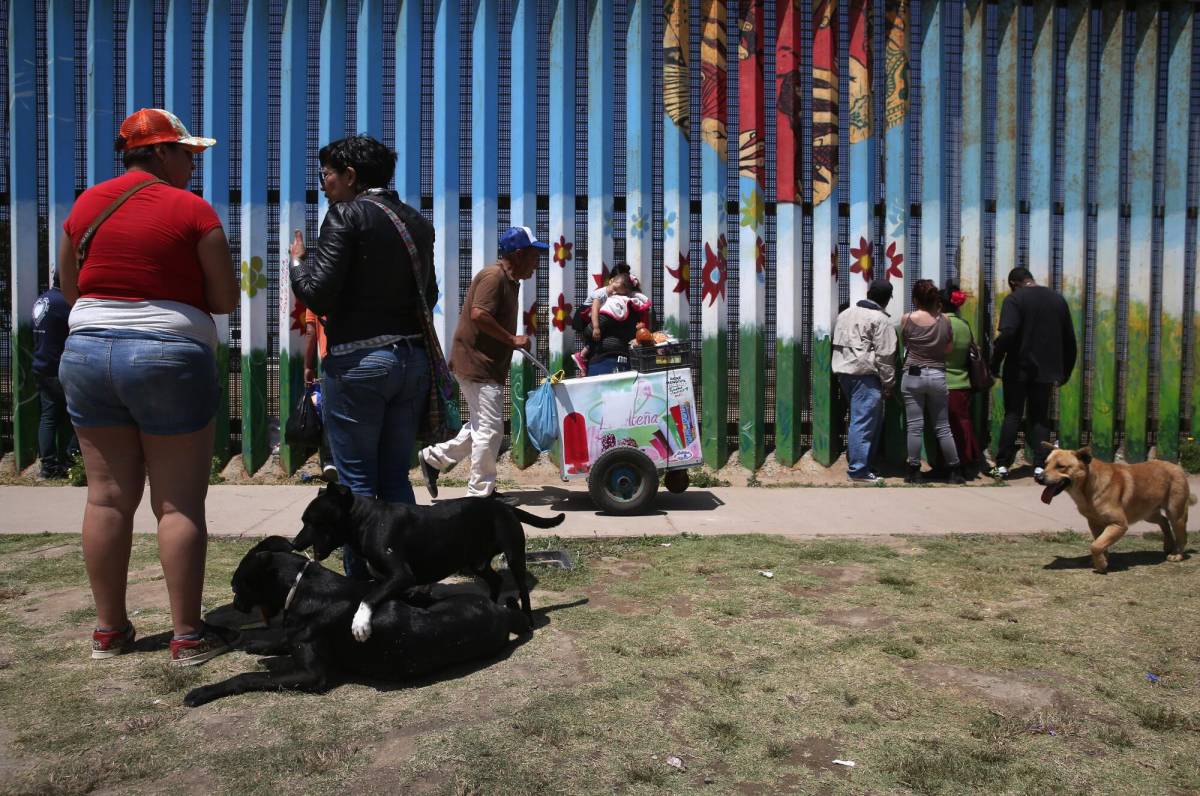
x=1113 y=496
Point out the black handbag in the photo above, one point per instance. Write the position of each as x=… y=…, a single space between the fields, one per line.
x=304 y=423
x=978 y=371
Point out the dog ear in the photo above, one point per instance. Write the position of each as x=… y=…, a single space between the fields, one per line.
x=1048 y=446
x=1084 y=455
x=341 y=492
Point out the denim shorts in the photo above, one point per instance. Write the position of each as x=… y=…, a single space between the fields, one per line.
x=164 y=384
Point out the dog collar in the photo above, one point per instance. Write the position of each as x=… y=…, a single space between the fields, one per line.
x=291 y=595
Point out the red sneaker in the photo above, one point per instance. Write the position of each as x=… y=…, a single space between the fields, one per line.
x=580 y=363
x=213 y=641
x=111 y=643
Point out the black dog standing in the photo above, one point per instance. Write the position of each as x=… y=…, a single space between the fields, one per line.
x=317 y=604
x=409 y=546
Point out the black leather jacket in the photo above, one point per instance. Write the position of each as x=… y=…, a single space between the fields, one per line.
x=360 y=275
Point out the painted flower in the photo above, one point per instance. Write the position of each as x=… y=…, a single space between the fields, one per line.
x=669 y=224
x=715 y=272
x=752 y=209
x=833 y=264
x=682 y=275
x=602 y=277
x=861 y=259
x=253 y=278
x=530 y=317
x=561 y=313
x=562 y=251
x=639 y=224
x=895 y=259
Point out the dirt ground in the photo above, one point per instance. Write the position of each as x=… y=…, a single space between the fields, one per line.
x=962 y=664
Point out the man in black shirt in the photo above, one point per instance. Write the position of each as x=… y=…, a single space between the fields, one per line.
x=56 y=439
x=1036 y=345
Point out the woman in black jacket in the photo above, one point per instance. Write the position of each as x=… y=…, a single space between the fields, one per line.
x=362 y=279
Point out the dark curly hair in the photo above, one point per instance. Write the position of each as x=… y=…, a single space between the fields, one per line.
x=138 y=155
x=373 y=163
x=926 y=296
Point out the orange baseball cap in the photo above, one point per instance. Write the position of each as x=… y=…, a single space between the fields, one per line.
x=156 y=126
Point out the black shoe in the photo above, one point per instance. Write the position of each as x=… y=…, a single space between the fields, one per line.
x=431 y=475
x=505 y=498
x=914 y=475
x=956 y=476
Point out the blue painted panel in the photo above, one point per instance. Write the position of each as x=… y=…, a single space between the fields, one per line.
x=139 y=55
x=485 y=110
x=639 y=139
x=23 y=221
x=600 y=163
x=408 y=102
x=60 y=125
x=177 y=62
x=368 y=68
x=1041 y=144
x=100 y=131
x=561 y=292
x=331 y=93
x=446 y=40
x=932 y=190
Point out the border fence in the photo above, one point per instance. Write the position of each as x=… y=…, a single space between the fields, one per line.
x=757 y=163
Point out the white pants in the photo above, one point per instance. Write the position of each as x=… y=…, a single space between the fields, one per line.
x=480 y=437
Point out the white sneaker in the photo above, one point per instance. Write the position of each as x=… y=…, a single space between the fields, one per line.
x=1038 y=471
x=999 y=472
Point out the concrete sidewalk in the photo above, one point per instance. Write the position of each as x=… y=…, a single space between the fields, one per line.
x=791 y=512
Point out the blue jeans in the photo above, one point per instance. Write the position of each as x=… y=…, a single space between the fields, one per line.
x=865 y=394
x=56 y=438
x=162 y=383
x=605 y=364
x=373 y=401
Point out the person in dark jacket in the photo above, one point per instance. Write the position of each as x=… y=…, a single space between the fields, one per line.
x=56 y=438
x=1034 y=350
x=361 y=278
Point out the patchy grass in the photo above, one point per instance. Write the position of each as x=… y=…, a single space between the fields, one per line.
x=971 y=664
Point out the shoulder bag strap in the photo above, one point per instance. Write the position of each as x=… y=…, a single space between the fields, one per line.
x=85 y=242
x=406 y=236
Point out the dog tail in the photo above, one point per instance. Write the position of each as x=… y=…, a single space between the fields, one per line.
x=539 y=522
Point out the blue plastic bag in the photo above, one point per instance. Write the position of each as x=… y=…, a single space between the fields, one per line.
x=541 y=417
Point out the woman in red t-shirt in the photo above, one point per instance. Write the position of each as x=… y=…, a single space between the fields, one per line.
x=139 y=371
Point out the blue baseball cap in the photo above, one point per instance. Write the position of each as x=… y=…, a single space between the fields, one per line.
x=514 y=239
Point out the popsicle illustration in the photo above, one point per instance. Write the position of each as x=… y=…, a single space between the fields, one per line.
x=575 y=443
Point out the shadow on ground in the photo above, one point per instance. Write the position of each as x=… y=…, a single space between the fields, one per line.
x=560 y=499
x=1117 y=562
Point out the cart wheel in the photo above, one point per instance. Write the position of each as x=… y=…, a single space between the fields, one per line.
x=676 y=481
x=623 y=481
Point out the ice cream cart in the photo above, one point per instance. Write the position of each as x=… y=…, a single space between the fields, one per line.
x=620 y=430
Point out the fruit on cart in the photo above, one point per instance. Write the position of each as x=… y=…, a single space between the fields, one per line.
x=643 y=335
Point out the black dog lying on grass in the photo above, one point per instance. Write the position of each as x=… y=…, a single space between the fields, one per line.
x=408 y=546
x=317 y=604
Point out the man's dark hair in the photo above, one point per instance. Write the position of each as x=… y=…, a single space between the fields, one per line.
x=880 y=292
x=138 y=155
x=1019 y=276
x=373 y=163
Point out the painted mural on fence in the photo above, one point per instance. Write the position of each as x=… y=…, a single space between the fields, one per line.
x=824 y=103
x=826 y=416
x=713 y=72
x=990 y=35
x=676 y=102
